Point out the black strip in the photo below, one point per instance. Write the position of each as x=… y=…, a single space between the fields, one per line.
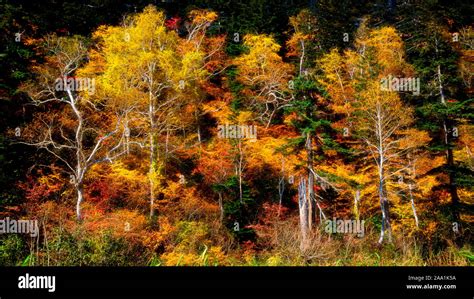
x=245 y=282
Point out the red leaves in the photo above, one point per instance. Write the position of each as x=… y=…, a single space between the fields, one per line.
x=173 y=23
x=102 y=193
x=42 y=187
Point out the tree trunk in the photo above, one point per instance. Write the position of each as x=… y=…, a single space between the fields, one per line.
x=281 y=186
x=80 y=166
x=152 y=176
x=240 y=171
x=453 y=191
x=413 y=205
x=127 y=137
x=356 y=204
x=384 y=207
x=302 y=57
x=281 y=190
x=199 y=134
x=80 y=198
x=303 y=211
x=310 y=187
x=221 y=208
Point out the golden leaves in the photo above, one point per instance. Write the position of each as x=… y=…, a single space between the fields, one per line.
x=202 y=16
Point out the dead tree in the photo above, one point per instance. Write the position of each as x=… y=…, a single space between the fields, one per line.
x=65 y=141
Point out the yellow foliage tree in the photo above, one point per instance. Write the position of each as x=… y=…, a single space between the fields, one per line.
x=154 y=74
x=265 y=75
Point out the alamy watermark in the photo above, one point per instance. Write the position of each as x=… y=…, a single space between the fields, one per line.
x=391 y=83
x=12 y=226
x=75 y=84
x=237 y=131
x=28 y=281
x=345 y=227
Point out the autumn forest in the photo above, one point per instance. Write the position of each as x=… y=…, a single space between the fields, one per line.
x=227 y=133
